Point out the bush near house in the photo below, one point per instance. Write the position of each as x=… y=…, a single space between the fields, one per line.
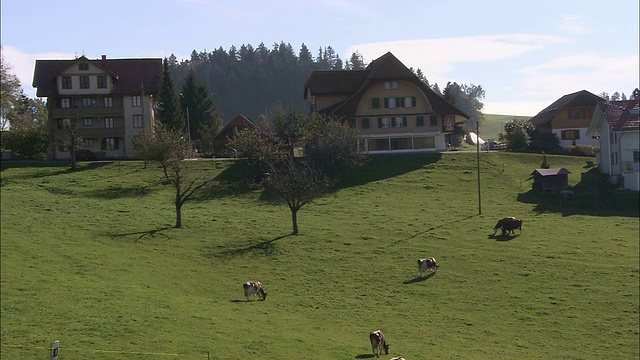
x=582 y=150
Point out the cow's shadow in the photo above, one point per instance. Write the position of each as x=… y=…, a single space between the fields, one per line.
x=503 y=237
x=418 y=279
x=365 y=356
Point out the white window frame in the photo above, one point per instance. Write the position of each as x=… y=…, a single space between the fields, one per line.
x=398 y=122
x=408 y=101
x=65 y=103
x=385 y=122
x=137 y=122
x=135 y=101
x=109 y=144
x=394 y=85
x=108 y=102
x=87 y=122
x=101 y=84
x=88 y=142
x=108 y=123
x=391 y=102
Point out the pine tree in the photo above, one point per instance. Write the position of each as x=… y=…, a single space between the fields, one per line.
x=169 y=111
x=200 y=109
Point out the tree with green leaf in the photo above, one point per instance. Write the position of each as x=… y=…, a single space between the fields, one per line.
x=199 y=108
x=169 y=110
x=169 y=147
x=328 y=144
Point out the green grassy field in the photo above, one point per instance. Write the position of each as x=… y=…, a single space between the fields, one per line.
x=90 y=258
x=493 y=124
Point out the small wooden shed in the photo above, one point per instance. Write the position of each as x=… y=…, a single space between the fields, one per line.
x=239 y=123
x=550 y=179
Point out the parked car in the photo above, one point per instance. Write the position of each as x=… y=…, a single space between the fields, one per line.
x=490 y=145
x=85 y=155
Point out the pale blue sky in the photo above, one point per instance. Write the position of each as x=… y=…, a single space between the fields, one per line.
x=525 y=54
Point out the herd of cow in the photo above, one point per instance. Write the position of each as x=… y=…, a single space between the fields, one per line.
x=378 y=343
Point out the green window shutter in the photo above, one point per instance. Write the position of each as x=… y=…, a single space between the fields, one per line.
x=379 y=122
x=386 y=103
x=365 y=123
x=413 y=101
x=400 y=101
x=375 y=103
x=404 y=121
x=420 y=120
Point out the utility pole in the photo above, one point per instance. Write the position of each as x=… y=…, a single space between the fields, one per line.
x=478 y=162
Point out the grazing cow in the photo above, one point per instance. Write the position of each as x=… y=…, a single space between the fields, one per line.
x=378 y=343
x=427 y=264
x=397 y=358
x=254 y=288
x=508 y=225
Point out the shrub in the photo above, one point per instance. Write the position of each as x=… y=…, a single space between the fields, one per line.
x=582 y=150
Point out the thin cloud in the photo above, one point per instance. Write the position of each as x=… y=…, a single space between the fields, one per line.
x=438 y=57
x=588 y=70
x=574 y=24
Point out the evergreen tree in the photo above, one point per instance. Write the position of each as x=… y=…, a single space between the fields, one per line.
x=200 y=110
x=169 y=112
x=356 y=62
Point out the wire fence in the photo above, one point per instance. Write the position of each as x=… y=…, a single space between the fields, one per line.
x=48 y=353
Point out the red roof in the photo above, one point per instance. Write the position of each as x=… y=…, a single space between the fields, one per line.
x=128 y=74
x=622 y=115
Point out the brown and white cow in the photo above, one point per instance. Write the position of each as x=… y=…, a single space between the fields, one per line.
x=397 y=358
x=378 y=343
x=254 y=288
x=508 y=225
x=427 y=264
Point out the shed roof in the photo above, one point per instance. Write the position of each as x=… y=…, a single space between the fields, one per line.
x=551 y=172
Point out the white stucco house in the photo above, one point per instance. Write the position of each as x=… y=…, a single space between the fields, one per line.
x=617 y=127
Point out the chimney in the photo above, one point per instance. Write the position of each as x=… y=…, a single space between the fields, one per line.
x=104 y=60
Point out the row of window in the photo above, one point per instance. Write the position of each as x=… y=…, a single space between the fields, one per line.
x=136 y=101
x=107 y=122
x=398 y=122
x=85 y=82
x=394 y=102
x=403 y=143
x=105 y=144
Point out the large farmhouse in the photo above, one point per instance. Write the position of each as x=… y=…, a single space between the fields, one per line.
x=107 y=101
x=568 y=118
x=390 y=106
x=617 y=126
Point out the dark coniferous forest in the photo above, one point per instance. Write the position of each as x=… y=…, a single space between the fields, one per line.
x=252 y=81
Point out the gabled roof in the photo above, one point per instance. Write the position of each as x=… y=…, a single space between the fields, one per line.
x=128 y=74
x=621 y=115
x=356 y=82
x=551 y=172
x=239 y=121
x=577 y=99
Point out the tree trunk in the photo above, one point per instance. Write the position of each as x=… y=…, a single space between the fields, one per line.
x=178 y=203
x=178 y=215
x=294 y=219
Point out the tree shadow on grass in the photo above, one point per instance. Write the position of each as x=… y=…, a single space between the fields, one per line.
x=266 y=247
x=433 y=228
x=418 y=279
x=141 y=234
